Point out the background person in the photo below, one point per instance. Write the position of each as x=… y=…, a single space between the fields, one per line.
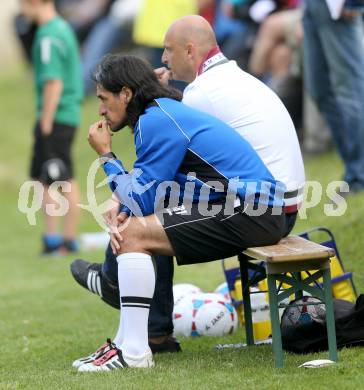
x=333 y=68
x=58 y=88
x=276 y=58
x=153 y=20
x=107 y=34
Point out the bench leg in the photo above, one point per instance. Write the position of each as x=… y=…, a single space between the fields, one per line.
x=243 y=260
x=274 y=317
x=330 y=319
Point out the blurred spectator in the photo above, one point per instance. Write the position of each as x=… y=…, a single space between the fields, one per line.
x=228 y=30
x=83 y=14
x=58 y=88
x=238 y=46
x=333 y=65
x=276 y=58
x=153 y=21
x=316 y=135
x=280 y=32
x=107 y=34
x=250 y=14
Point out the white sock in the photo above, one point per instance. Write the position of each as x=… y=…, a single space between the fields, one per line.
x=136 y=285
x=118 y=339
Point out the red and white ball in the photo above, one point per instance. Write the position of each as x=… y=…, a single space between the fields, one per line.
x=223 y=289
x=204 y=314
x=180 y=290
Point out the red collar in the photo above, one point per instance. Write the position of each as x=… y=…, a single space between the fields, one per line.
x=215 y=50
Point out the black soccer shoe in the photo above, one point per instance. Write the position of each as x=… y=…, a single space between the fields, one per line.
x=170 y=344
x=89 y=276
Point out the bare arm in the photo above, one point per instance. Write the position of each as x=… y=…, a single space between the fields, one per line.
x=51 y=96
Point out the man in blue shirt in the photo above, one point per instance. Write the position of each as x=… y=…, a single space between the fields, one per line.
x=223 y=90
x=186 y=196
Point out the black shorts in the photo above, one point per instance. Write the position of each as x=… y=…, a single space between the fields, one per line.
x=196 y=238
x=55 y=146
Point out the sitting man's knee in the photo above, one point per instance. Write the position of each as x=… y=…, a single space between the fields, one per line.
x=133 y=235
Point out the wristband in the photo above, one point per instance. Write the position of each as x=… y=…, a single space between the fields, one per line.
x=104 y=158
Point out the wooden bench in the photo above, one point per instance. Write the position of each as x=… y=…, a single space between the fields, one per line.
x=291 y=255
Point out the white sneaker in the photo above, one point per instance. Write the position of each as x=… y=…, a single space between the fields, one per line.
x=114 y=359
x=94 y=356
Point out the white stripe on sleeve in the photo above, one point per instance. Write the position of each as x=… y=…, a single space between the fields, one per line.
x=45 y=50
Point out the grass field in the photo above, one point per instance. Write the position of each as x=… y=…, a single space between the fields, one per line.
x=47 y=321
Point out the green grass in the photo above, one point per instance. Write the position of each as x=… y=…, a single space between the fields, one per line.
x=47 y=321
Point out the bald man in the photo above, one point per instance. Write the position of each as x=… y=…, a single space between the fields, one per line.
x=219 y=87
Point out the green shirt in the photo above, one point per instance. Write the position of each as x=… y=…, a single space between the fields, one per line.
x=55 y=56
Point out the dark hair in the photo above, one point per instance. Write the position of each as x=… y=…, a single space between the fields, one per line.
x=116 y=71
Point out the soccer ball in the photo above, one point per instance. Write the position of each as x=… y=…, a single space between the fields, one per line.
x=305 y=313
x=213 y=316
x=204 y=314
x=180 y=290
x=182 y=316
x=223 y=289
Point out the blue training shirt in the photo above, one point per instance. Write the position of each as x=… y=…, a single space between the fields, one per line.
x=193 y=155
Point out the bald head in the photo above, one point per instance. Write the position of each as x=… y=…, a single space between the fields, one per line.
x=186 y=44
x=194 y=29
